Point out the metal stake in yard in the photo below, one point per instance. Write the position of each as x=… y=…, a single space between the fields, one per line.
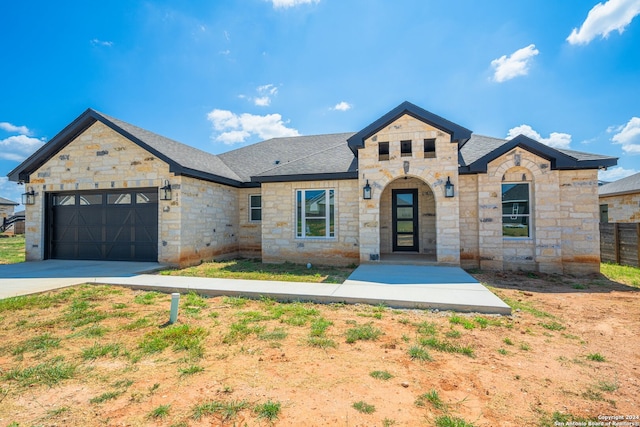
x=175 y=301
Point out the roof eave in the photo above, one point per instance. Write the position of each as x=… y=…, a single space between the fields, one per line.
x=306 y=177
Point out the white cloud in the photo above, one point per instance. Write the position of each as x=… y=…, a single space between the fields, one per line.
x=555 y=140
x=629 y=136
x=8 y=127
x=234 y=128
x=98 y=42
x=517 y=64
x=602 y=19
x=615 y=174
x=263 y=101
x=265 y=94
x=342 y=106
x=284 y=4
x=19 y=147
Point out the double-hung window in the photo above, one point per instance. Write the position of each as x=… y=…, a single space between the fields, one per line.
x=315 y=214
x=516 y=210
x=255 y=207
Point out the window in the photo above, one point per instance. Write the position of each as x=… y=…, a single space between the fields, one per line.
x=315 y=213
x=429 y=148
x=383 y=151
x=405 y=148
x=516 y=210
x=255 y=207
x=604 y=213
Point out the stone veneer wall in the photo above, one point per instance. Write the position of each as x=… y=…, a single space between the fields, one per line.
x=250 y=232
x=432 y=171
x=469 y=223
x=279 y=243
x=564 y=224
x=623 y=207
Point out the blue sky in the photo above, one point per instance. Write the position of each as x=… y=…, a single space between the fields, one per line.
x=222 y=74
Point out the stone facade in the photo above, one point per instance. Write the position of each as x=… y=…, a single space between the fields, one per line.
x=622 y=207
x=433 y=172
x=564 y=235
x=279 y=241
x=250 y=232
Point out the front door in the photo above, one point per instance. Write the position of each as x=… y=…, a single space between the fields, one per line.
x=405 y=220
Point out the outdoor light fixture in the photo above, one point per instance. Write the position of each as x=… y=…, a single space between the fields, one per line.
x=366 y=191
x=165 y=192
x=448 y=188
x=29 y=198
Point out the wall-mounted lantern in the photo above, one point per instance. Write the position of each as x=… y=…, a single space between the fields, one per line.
x=448 y=188
x=29 y=198
x=165 y=192
x=366 y=191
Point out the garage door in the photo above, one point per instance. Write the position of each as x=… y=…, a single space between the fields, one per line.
x=117 y=225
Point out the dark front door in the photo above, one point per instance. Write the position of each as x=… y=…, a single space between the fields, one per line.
x=117 y=225
x=405 y=220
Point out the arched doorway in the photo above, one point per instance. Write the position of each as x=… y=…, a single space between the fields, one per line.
x=408 y=220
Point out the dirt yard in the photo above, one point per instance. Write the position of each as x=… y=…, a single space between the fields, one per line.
x=101 y=356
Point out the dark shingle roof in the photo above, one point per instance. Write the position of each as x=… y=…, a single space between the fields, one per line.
x=257 y=159
x=630 y=184
x=477 y=147
x=4 y=201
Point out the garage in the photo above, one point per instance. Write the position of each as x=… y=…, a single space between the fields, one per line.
x=116 y=225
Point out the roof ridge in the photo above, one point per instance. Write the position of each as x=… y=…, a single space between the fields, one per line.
x=302 y=158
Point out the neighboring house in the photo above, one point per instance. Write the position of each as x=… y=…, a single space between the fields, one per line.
x=6 y=208
x=620 y=200
x=409 y=184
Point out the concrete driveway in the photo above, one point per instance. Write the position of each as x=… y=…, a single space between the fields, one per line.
x=39 y=276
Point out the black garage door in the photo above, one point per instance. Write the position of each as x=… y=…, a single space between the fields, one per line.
x=117 y=225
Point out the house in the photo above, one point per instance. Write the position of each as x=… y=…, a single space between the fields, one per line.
x=409 y=185
x=620 y=200
x=6 y=208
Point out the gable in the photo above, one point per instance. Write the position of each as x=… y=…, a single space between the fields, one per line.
x=458 y=134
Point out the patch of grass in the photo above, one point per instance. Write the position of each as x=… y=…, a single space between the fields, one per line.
x=294 y=314
x=160 y=412
x=226 y=410
x=93 y=331
x=525 y=306
x=140 y=323
x=321 y=342
x=507 y=341
x=502 y=351
x=80 y=313
x=446 y=346
x=388 y=422
x=238 y=331
x=236 y=302
x=251 y=269
x=451 y=421
x=38 y=301
x=452 y=333
x=559 y=418
x=525 y=347
x=58 y=411
x=49 y=373
x=596 y=357
x=363 y=407
x=179 y=337
x=381 y=375
x=427 y=328
x=278 y=334
x=417 y=352
x=431 y=397
x=118 y=306
x=146 y=298
x=459 y=320
x=608 y=386
x=12 y=249
x=268 y=410
x=101 y=350
x=109 y=395
x=553 y=326
x=40 y=343
x=190 y=370
x=319 y=327
x=621 y=273
x=483 y=322
x=363 y=333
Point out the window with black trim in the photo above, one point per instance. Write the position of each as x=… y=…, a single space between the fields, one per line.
x=516 y=210
x=405 y=148
x=315 y=213
x=255 y=207
x=429 y=148
x=383 y=151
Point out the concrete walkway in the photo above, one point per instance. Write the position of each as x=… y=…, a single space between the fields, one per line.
x=401 y=286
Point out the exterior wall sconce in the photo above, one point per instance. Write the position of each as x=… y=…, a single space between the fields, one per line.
x=448 y=188
x=29 y=198
x=366 y=191
x=165 y=192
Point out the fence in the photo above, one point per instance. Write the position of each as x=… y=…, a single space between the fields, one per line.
x=620 y=243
